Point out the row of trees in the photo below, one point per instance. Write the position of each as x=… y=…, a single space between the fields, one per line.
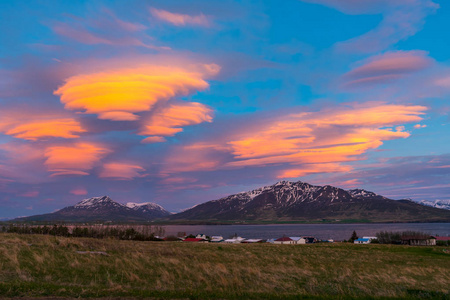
x=121 y=233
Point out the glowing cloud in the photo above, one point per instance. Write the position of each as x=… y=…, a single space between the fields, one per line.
x=73 y=160
x=34 y=130
x=180 y=19
x=323 y=137
x=169 y=121
x=121 y=171
x=119 y=94
x=312 y=168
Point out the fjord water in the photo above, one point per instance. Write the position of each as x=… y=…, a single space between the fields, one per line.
x=320 y=231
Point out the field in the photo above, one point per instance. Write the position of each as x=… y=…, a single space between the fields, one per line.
x=48 y=266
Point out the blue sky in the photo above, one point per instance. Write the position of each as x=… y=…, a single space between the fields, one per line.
x=180 y=102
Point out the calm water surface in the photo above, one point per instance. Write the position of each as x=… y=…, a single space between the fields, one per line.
x=320 y=231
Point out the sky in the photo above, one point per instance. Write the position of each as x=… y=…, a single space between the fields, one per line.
x=182 y=102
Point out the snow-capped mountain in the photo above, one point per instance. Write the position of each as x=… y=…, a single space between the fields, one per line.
x=149 y=208
x=442 y=204
x=300 y=201
x=103 y=209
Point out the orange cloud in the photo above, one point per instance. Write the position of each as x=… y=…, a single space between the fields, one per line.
x=313 y=168
x=39 y=129
x=121 y=171
x=73 y=160
x=169 y=121
x=119 y=94
x=324 y=137
x=180 y=19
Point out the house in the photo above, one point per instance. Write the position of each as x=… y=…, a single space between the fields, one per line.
x=251 y=241
x=419 y=240
x=195 y=240
x=284 y=240
x=443 y=240
x=201 y=236
x=216 y=239
x=362 y=241
x=235 y=240
x=298 y=240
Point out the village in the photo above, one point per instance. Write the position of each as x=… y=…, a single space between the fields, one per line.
x=412 y=240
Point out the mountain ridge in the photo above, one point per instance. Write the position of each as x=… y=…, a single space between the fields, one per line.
x=303 y=202
x=103 y=209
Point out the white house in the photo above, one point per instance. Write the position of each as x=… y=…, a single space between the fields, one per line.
x=362 y=241
x=298 y=239
x=284 y=240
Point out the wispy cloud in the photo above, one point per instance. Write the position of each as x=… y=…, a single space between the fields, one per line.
x=180 y=19
x=387 y=67
x=121 y=171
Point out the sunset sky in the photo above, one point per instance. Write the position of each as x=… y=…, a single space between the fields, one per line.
x=181 y=102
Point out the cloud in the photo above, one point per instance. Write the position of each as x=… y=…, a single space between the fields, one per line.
x=169 y=121
x=62 y=128
x=312 y=169
x=73 y=160
x=387 y=67
x=80 y=191
x=121 y=171
x=418 y=126
x=104 y=28
x=323 y=137
x=180 y=19
x=119 y=94
x=401 y=19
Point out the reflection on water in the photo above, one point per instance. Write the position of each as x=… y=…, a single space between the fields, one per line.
x=320 y=231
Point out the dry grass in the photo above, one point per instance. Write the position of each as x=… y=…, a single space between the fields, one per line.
x=46 y=266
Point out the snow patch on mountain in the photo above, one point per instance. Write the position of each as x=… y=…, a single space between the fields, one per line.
x=443 y=204
x=97 y=201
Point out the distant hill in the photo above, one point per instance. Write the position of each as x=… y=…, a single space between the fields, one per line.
x=103 y=209
x=300 y=201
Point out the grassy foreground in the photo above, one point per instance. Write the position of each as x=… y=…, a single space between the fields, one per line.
x=47 y=266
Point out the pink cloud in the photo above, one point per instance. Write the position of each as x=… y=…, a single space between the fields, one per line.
x=387 y=67
x=180 y=19
x=30 y=194
x=79 y=191
x=121 y=171
x=76 y=159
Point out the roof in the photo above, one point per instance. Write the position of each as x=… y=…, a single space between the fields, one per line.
x=283 y=239
x=442 y=238
x=406 y=238
x=193 y=240
x=362 y=240
x=296 y=238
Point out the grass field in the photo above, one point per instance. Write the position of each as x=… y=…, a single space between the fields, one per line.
x=48 y=266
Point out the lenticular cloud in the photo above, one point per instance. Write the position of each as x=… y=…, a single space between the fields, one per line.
x=119 y=94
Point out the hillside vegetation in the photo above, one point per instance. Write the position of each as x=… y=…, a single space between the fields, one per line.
x=48 y=266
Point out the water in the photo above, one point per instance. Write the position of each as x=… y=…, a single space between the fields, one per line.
x=337 y=232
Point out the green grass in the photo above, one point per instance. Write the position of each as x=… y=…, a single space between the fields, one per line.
x=46 y=266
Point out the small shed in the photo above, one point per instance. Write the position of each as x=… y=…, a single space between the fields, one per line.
x=216 y=239
x=310 y=239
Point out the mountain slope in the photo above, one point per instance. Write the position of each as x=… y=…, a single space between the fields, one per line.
x=300 y=201
x=102 y=209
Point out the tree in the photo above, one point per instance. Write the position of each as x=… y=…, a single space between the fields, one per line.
x=353 y=237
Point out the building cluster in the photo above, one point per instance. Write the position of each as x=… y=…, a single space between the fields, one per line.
x=293 y=240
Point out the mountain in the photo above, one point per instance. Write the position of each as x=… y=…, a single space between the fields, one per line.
x=443 y=204
x=152 y=210
x=300 y=201
x=103 y=209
